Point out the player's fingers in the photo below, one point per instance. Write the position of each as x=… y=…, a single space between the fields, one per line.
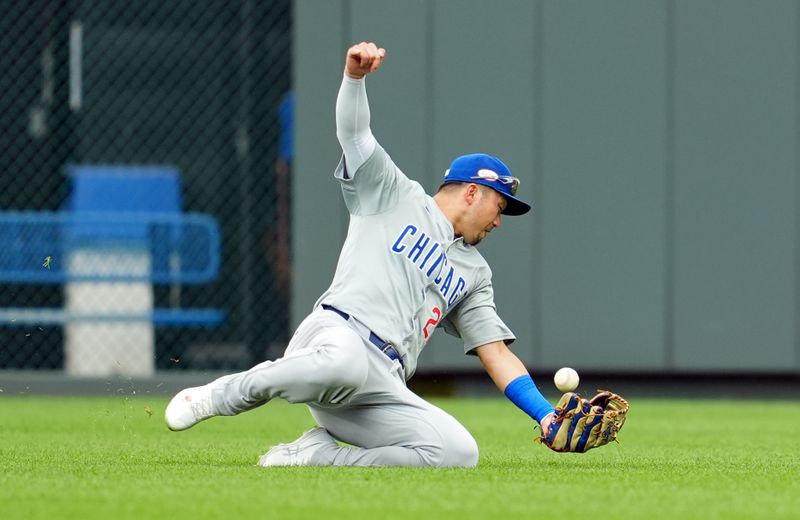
x=354 y=52
x=375 y=56
x=366 y=60
x=353 y=61
x=372 y=49
x=358 y=54
x=368 y=52
x=378 y=61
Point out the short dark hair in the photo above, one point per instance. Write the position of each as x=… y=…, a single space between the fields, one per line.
x=456 y=185
x=450 y=186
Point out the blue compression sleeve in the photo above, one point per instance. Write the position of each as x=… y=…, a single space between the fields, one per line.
x=523 y=392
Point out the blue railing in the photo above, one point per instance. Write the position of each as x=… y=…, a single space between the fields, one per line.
x=35 y=247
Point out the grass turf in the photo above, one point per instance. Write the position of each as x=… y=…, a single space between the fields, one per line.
x=110 y=458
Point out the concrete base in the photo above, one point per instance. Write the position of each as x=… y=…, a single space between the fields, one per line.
x=101 y=348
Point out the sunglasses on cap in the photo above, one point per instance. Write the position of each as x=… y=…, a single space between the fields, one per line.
x=493 y=176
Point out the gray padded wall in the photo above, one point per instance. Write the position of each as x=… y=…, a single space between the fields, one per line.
x=602 y=201
x=735 y=184
x=318 y=214
x=658 y=141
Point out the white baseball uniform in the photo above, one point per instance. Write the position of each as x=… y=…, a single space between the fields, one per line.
x=401 y=273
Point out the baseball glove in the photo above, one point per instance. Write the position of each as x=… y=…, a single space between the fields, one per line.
x=580 y=424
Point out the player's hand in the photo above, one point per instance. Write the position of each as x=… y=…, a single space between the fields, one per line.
x=545 y=424
x=363 y=58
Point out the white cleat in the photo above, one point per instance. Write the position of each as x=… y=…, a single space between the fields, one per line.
x=299 y=452
x=189 y=407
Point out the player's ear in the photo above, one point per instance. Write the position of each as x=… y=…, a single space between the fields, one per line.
x=471 y=194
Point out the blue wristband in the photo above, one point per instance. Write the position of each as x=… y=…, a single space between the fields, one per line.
x=523 y=392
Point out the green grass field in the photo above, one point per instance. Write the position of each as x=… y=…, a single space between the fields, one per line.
x=110 y=458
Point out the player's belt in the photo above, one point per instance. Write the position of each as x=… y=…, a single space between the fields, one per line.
x=384 y=346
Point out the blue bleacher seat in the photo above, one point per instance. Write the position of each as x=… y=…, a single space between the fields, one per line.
x=112 y=208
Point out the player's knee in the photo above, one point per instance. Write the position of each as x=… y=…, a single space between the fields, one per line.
x=455 y=449
x=461 y=452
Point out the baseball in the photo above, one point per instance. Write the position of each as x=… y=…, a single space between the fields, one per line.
x=566 y=379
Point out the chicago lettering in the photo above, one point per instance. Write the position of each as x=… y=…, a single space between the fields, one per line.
x=429 y=256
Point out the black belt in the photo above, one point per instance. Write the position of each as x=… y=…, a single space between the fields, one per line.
x=384 y=346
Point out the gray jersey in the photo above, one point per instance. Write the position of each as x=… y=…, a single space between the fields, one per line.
x=401 y=272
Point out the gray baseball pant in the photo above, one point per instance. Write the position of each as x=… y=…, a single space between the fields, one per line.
x=356 y=393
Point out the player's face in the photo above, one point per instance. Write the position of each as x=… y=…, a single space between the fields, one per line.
x=484 y=215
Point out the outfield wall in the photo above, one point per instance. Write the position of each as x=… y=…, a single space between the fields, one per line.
x=658 y=141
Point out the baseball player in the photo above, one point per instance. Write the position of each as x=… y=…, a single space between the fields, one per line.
x=408 y=266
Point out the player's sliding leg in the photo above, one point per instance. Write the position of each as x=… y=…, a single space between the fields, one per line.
x=389 y=424
x=312 y=443
x=325 y=362
x=388 y=435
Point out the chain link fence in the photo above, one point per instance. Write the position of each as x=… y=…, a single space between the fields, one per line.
x=144 y=153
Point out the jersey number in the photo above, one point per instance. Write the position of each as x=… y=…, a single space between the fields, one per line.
x=432 y=321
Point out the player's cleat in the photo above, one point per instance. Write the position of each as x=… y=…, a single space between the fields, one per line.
x=299 y=452
x=189 y=407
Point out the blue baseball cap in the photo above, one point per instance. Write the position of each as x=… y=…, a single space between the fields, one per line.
x=480 y=168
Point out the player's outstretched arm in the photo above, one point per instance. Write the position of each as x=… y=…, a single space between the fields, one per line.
x=575 y=424
x=512 y=378
x=352 y=107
